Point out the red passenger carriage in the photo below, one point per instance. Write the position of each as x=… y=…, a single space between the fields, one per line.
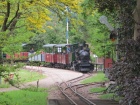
x=58 y=56
x=63 y=55
x=50 y=55
x=22 y=56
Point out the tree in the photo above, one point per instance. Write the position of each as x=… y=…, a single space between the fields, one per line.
x=96 y=34
x=34 y=13
x=56 y=31
x=28 y=17
x=22 y=19
x=125 y=72
x=137 y=20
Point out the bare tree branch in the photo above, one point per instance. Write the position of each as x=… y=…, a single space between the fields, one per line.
x=4 y=27
x=13 y=21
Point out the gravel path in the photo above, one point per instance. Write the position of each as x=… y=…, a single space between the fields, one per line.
x=53 y=76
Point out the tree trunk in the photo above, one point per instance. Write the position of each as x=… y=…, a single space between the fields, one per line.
x=137 y=20
x=4 y=26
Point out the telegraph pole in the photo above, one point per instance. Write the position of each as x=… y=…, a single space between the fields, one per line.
x=67 y=25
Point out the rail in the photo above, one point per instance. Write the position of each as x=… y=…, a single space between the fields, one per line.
x=69 y=86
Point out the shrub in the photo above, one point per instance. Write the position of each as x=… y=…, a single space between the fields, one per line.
x=126 y=72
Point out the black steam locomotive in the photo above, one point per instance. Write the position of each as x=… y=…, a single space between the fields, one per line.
x=82 y=62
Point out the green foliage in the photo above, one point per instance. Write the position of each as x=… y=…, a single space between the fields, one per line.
x=126 y=72
x=55 y=35
x=56 y=32
x=26 y=18
x=121 y=12
x=14 y=43
x=3 y=37
x=88 y=6
x=96 y=34
x=24 y=97
x=6 y=70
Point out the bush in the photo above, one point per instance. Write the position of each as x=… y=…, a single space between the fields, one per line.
x=126 y=72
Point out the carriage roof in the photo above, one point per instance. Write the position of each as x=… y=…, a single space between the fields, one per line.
x=49 y=45
x=27 y=44
x=57 y=45
x=62 y=45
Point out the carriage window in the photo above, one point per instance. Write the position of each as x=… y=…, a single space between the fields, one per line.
x=59 y=49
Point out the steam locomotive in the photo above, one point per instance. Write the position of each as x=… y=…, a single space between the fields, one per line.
x=82 y=61
x=66 y=56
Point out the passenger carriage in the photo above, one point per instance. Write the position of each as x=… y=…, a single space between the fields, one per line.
x=21 y=56
x=64 y=58
x=50 y=55
x=34 y=55
x=58 y=55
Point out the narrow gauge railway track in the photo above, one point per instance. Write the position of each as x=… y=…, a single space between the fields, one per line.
x=72 y=95
x=82 y=89
x=61 y=100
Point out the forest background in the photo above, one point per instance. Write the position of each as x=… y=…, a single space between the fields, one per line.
x=44 y=21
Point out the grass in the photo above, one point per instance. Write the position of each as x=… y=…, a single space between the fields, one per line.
x=31 y=96
x=110 y=96
x=99 y=77
x=98 y=89
x=107 y=96
x=24 y=77
x=4 y=85
x=101 y=90
x=28 y=76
